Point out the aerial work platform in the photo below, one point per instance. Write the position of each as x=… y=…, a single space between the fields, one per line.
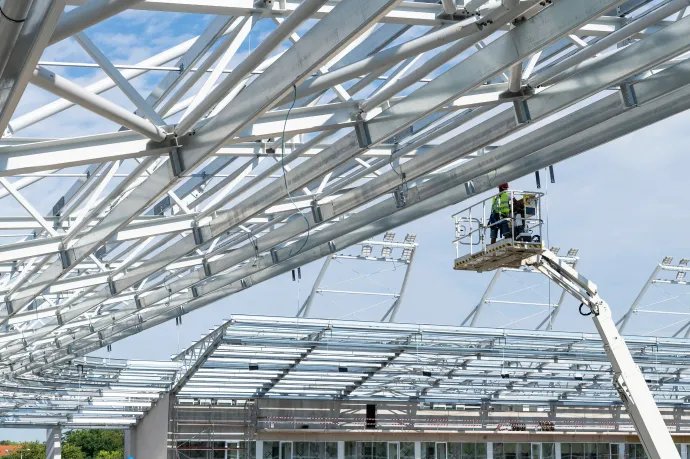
x=519 y=231
x=502 y=254
x=519 y=225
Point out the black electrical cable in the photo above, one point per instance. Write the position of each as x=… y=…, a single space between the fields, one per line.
x=401 y=174
x=16 y=21
x=282 y=163
x=582 y=313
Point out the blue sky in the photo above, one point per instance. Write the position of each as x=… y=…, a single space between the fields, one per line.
x=622 y=204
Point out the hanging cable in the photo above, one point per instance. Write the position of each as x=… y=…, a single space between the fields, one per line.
x=282 y=164
x=401 y=174
x=546 y=202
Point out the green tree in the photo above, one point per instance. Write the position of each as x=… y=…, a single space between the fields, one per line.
x=117 y=454
x=71 y=451
x=90 y=442
x=29 y=450
x=8 y=442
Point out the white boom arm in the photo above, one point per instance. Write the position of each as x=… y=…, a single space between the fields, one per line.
x=627 y=377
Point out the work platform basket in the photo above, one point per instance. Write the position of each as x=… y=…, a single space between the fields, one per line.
x=518 y=234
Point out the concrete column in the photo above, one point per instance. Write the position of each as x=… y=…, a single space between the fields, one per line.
x=54 y=443
x=683 y=451
x=489 y=450
x=341 y=450
x=151 y=437
x=621 y=450
x=558 y=451
x=130 y=443
x=418 y=450
x=259 y=449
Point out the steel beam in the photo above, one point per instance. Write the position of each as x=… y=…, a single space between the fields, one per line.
x=41 y=113
x=206 y=142
x=91 y=13
x=64 y=88
x=659 y=107
x=514 y=46
x=20 y=50
x=246 y=66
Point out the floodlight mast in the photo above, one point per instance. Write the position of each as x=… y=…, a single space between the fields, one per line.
x=627 y=377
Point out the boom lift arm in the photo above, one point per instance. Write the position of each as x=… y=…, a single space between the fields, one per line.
x=627 y=377
x=522 y=245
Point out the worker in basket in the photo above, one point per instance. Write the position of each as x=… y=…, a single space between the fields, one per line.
x=499 y=220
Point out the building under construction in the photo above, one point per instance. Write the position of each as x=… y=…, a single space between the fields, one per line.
x=159 y=156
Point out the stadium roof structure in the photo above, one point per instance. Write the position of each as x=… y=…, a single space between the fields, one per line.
x=88 y=392
x=272 y=357
x=221 y=176
x=257 y=357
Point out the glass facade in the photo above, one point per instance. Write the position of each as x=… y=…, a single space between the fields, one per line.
x=589 y=451
x=314 y=450
x=216 y=450
x=405 y=450
x=450 y=450
x=524 y=451
x=633 y=451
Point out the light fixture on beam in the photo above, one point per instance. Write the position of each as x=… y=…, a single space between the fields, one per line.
x=410 y=238
x=386 y=252
x=555 y=250
x=680 y=275
x=573 y=252
x=389 y=236
x=667 y=260
x=407 y=253
x=366 y=250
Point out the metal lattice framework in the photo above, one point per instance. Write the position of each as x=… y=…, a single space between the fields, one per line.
x=671 y=304
x=271 y=357
x=510 y=299
x=397 y=253
x=196 y=197
x=88 y=392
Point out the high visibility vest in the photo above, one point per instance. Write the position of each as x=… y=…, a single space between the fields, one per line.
x=501 y=204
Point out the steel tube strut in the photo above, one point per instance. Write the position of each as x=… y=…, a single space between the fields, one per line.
x=252 y=61
x=633 y=307
x=10 y=27
x=569 y=64
x=85 y=16
x=62 y=87
x=45 y=111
